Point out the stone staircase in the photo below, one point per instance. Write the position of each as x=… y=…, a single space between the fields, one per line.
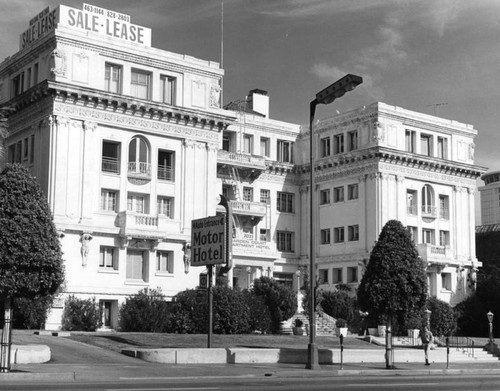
x=325 y=324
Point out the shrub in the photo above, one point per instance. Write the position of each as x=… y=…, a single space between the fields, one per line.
x=298 y=322
x=189 y=312
x=338 y=304
x=280 y=300
x=443 y=319
x=231 y=314
x=81 y=314
x=260 y=317
x=30 y=314
x=145 y=312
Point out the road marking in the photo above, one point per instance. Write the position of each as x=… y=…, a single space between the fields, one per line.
x=163 y=389
x=371 y=385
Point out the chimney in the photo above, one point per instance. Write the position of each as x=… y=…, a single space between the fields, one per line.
x=258 y=101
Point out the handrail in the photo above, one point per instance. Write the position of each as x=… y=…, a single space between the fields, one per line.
x=464 y=344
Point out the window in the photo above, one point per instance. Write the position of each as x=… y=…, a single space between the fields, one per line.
x=338 y=235
x=353 y=233
x=247 y=194
x=248 y=144
x=285 y=279
x=428 y=207
x=137 y=203
x=108 y=257
x=442 y=148
x=165 y=206
x=413 y=233
x=338 y=144
x=227 y=143
x=336 y=275
x=167 y=89
x=28 y=78
x=109 y=200
x=411 y=202
x=324 y=197
x=165 y=261
x=323 y=276
x=444 y=207
x=140 y=84
x=265 y=196
x=446 y=281
x=444 y=238
x=35 y=74
x=285 y=241
x=137 y=265
x=285 y=202
x=264 y=147
x=352 y=274
x=285 y=151
x=352 y=191
x=325 y=147
x=410 y=140
x=112 y=78
x=265 y=235
x=352 y=140
x=338 y=194
x=426 y=144
x=138 y=157
x=166 y=161
x=15 y=152
x=325 y=236
x=110 y=157
x=428 y=236
x=31 y=157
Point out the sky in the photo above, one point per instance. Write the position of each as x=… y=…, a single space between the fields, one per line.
x=440 y=57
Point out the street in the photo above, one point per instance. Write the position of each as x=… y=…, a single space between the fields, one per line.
x=355 y=383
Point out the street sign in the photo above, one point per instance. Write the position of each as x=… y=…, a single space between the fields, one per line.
x=203 y=281
x=208 y=241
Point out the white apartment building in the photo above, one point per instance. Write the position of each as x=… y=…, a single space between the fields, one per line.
x=130 y=143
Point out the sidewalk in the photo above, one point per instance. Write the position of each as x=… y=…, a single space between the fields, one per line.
x=102 y=372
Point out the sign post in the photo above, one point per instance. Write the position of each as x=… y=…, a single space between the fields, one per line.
x=208 y=248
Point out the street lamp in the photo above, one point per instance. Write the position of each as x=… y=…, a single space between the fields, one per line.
x=325 y=96
x=490 y=320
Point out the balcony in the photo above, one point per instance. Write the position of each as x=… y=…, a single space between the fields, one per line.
x=139 y=170
x=246 y=212
x=249 y=166
x=143 y=225
x=429 y=211
x=436 y=255
x=166 y=173
x=111 y=165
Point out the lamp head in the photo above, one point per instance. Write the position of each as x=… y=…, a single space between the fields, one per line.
x=490 y=316
x=338 y=89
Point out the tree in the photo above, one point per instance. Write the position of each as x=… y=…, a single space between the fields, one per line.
x=281 y=300
x=394 y=282
x=31 y=264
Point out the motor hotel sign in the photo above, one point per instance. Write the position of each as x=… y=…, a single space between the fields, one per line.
x=208 y=241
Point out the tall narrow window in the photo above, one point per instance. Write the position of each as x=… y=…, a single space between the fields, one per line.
x=411 y=202
x=165 y=261
x=248 y=144
x=353 y=233
x=426 y=145
x=265 y=196
x=136 y=265
x=410 y=140
x=428 y=236
x=28 y=78
x=285 y=151
x=166 y=165
x=110 y=157
x=165 y=206
x=35 y=74
x=352 y=139
x=109 y=200
x=323 y=276
x=112 y=78
x=140 y=84
x=338 y=143
x=428 y=206
x=413 y=233
x=167 y=89
x=325 y=147
x=284 y=241
x=444 y=238
x=442 y=146
x=138 y=157
x=444 y=207
x=352 y=191
x=247 y=194
x=264 y=146
x=285 y=202
x=108 y=257
x=324 y=197
x=325 y=236
x=137 y=203
x=338 y=235
x=338 y=194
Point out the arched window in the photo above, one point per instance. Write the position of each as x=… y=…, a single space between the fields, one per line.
x=139 y=157
x=428 y=202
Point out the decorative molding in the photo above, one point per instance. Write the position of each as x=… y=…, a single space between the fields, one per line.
x=85 y=239
x=215 y=92
x=58 y=63
x=89 y=125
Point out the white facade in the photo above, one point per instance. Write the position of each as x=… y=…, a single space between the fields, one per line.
x=130 y=143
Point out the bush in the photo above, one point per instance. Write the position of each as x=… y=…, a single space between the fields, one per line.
x=443 y=320
x=298 y=323
x=145 y=312
x=30 y=314
x=189 y=312
x=338 y=304
x=231 y=314
x=260 y=317
x=279 y=299
x=81 y=314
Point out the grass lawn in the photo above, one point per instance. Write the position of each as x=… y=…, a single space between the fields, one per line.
x=117 y=341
